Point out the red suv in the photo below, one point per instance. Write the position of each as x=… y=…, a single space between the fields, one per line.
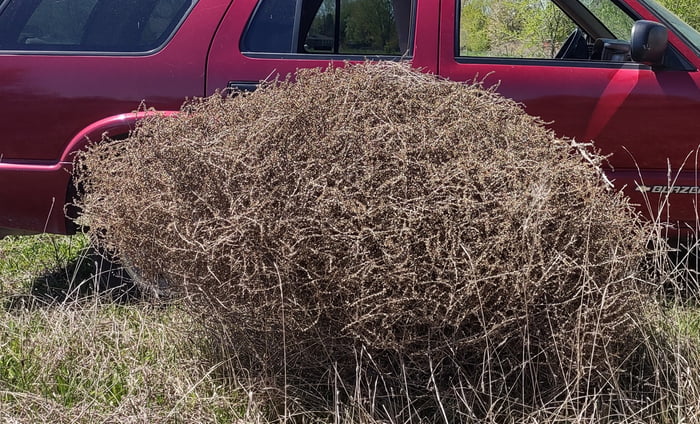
x=620 y=72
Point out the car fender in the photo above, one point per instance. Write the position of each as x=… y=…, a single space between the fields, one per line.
x=116 y=126
x=110 y=127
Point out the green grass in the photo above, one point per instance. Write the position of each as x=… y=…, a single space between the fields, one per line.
x=23 y=258
x=86 y=359
x=106 y=362
x=685 y=322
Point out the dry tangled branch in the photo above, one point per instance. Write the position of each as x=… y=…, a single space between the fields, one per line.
x=372 y=211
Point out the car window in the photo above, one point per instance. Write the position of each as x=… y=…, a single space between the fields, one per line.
x=517 y=28
x=539 y=29
x=56 y=23
x=89 y=25
x=615 y=19
x=336 y=27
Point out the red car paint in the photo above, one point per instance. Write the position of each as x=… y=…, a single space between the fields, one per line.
x=54 y=104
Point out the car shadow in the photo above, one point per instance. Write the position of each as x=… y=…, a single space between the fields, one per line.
x=92 y=275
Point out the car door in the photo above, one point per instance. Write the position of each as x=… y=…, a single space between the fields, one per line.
x=69 y=63
x=568 y=62
x=263 y=39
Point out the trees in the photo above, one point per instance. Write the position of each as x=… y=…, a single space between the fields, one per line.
x=365 y=26
x=473 y=30
x=537 y=28
x=512 y=28
x=369 y=25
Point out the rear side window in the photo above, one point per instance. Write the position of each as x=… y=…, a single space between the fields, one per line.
x=335 y=27
x=119 y=26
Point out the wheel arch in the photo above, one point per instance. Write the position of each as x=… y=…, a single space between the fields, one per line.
x=116 y=127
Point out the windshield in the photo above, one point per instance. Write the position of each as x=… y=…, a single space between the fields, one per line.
x=682 y=28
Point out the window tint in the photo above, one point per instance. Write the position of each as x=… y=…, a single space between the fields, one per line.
x=272 y=28
x=89 y=25
x=57 y=23
x=347 y=27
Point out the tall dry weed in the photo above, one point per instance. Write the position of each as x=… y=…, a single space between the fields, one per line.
x=378 y=234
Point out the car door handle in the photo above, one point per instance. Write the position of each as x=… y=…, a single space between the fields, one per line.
x=233 y=86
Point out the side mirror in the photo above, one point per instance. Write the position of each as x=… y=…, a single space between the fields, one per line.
x=649 y=41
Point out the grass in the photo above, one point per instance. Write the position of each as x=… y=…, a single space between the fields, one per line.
x=23 y=259
x=86 y=359
x=685 y=322
x=81 y=358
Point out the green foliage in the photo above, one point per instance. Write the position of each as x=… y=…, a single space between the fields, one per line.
x=617 y=21
x=508 y=20
x=534 y=28
x=16 y=372
x=687 y=10
x=546 y=27
x=686 y=322
x=368 y=24
x=473 y=36
x=512 y=28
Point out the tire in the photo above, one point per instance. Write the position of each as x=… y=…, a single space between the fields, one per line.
x=123 y=282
